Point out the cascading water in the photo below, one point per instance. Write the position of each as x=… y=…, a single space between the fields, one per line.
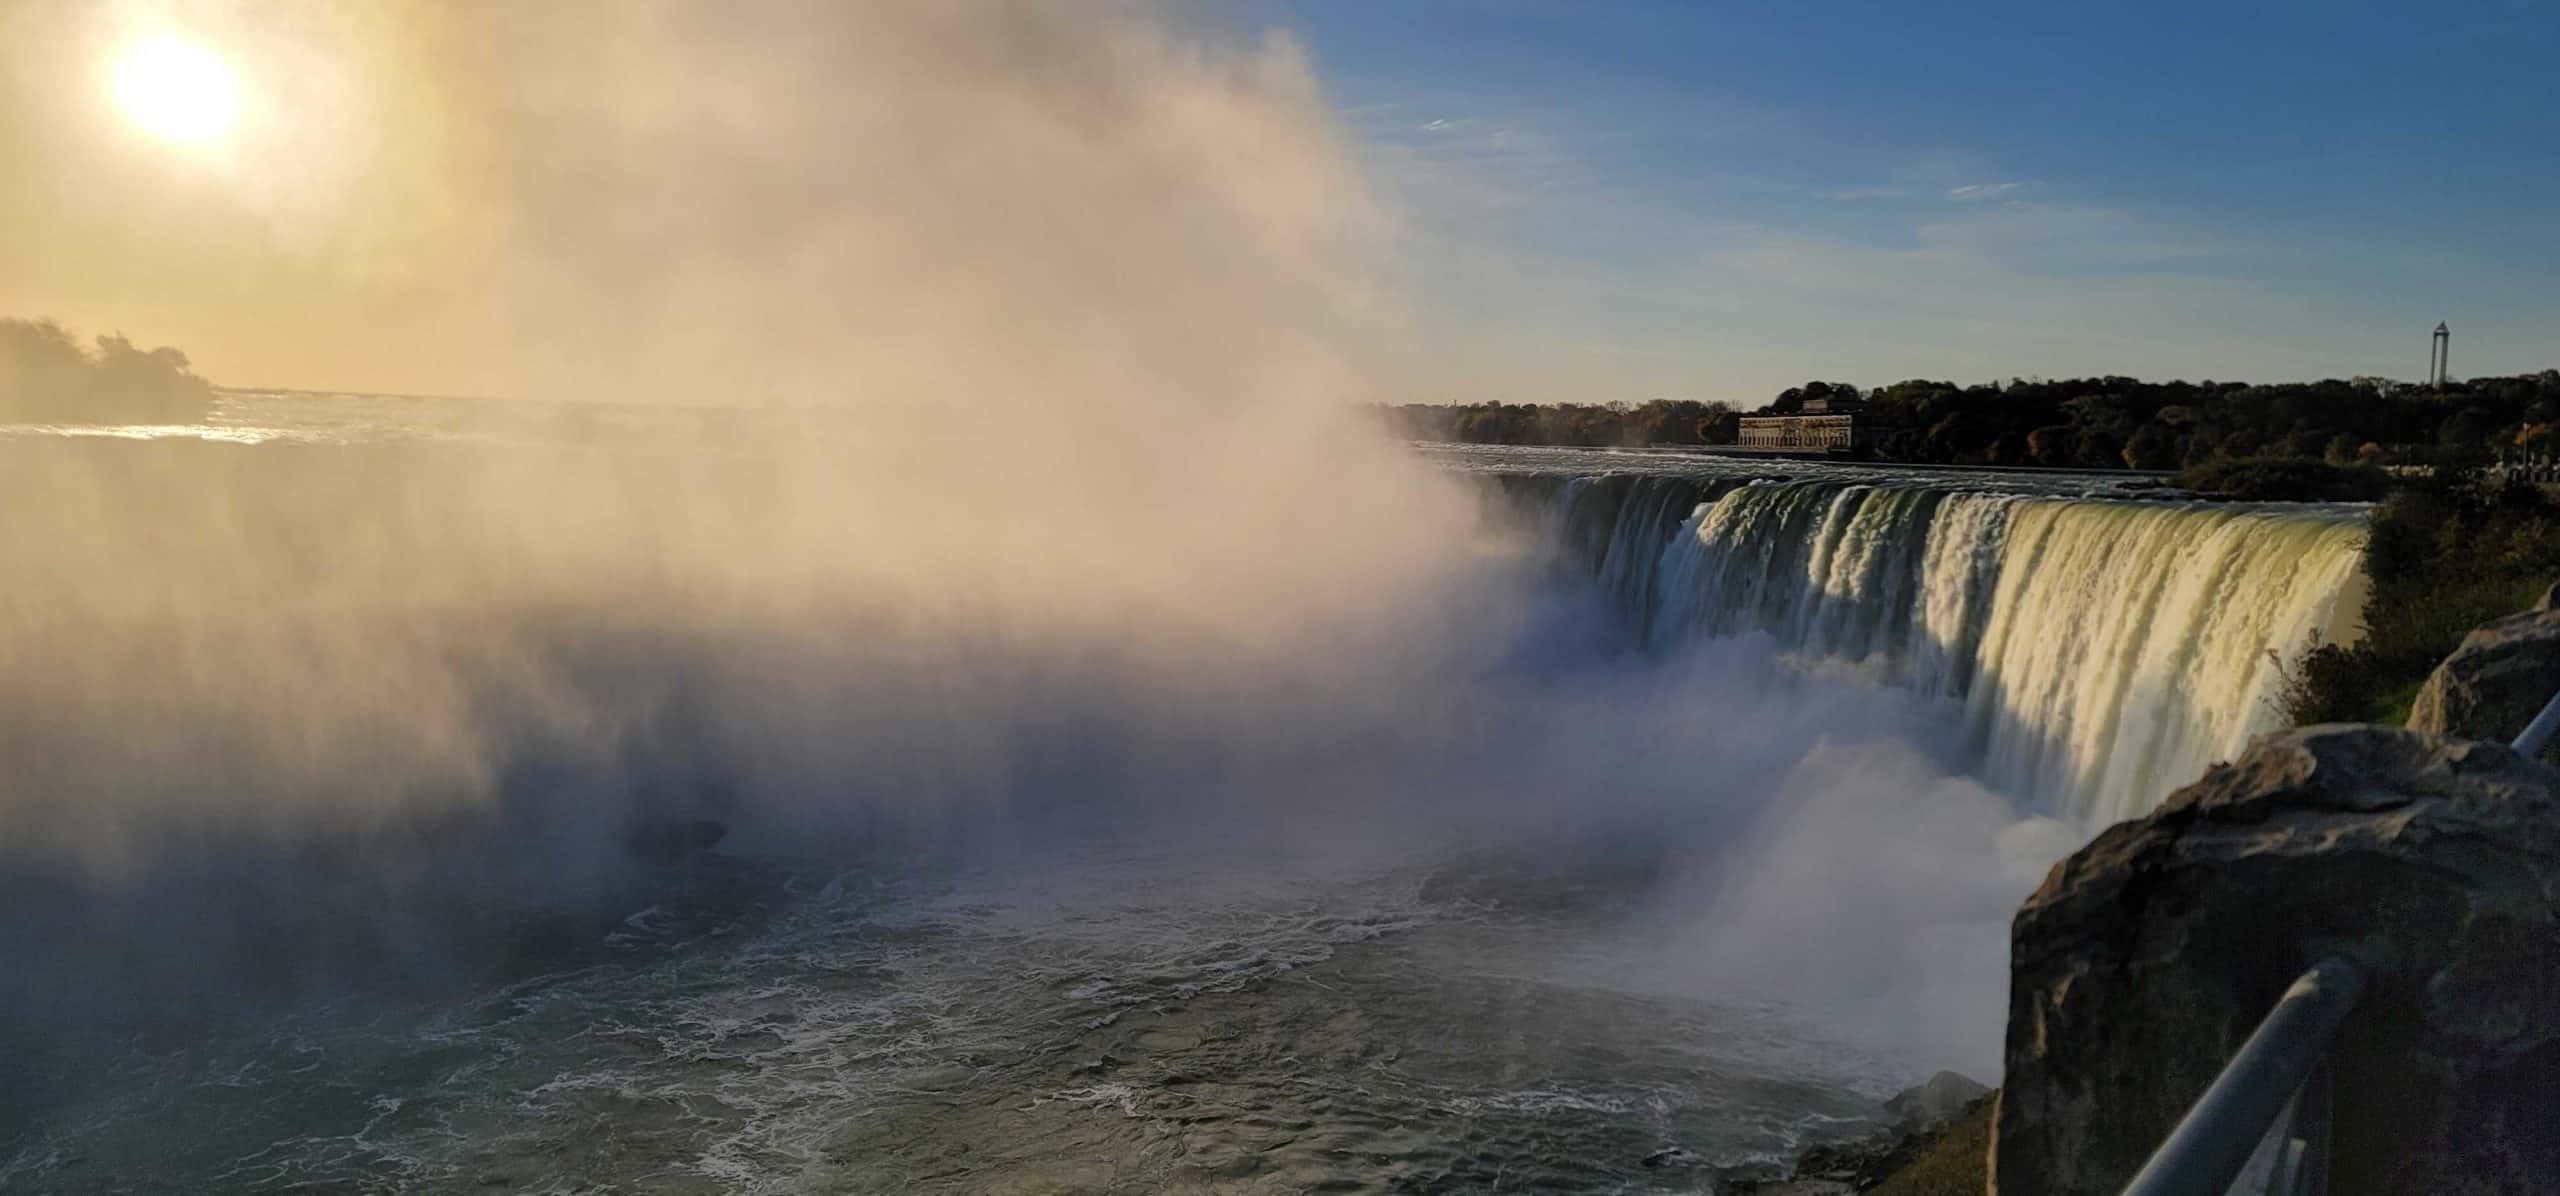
x=2104 y=651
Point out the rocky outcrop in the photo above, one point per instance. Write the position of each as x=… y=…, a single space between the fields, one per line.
x=1935 y=1145
x=1935 y=1102
x=2496 y=681
x=2148 y=956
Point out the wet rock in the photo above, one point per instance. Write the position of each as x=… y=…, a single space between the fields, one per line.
x=2148 y=956
x=2496 y=681
x=1953 y=1144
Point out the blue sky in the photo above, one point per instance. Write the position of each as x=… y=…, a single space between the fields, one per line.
x=1632 y=198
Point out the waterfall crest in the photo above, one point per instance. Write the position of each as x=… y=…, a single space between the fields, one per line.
x=2103 y=651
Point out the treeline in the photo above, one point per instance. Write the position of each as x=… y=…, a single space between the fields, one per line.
x=47 y=376
x=2089 y=423
x=1611 y=425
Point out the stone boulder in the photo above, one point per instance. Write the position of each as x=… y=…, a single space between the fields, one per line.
x=2496 y=681
x=2147 y=957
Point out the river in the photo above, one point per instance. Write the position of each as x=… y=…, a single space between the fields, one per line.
x=1688 y=833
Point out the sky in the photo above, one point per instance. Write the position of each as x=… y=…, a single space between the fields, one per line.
x=1646 y=198
x=1586 y=199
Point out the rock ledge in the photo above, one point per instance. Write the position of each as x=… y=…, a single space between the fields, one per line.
x=2146 y=957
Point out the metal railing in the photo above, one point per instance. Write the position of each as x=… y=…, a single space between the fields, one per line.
x=2537 y=734
x=2263 y=1125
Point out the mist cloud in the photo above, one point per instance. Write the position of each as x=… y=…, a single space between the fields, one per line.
x=1057 y=503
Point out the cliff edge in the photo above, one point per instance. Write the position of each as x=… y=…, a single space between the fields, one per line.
x=2148 y=956
x=2497 y=680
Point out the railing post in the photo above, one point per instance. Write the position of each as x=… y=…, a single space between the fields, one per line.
x=2537 y=733
x=2215 y=1140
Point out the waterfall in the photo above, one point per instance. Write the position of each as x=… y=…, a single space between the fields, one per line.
x=2102 y=651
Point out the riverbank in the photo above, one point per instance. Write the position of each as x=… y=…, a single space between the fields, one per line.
x=1943 y=1155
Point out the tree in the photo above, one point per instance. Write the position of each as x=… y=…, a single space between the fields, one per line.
x=2152 y=447
x=2469 y=426
x=2101 y=450
x=2054 y=444
x=1666 y=421
x=1720 y=425
x=1793 y=398
x=42 y=370
x=45 y=375
x=2303 y=441
x=2090 y=422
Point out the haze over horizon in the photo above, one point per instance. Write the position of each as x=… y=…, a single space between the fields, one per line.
x=1587 y=202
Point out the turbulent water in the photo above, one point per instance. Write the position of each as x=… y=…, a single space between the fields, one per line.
x=881 y=1031
x=2104 y=650
x=1714 y=849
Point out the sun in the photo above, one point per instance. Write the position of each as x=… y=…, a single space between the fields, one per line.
x=177 y=90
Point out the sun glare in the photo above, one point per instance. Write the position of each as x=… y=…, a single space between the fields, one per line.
x=177 y=90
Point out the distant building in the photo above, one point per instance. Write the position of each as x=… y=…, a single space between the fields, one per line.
x=1820 y=426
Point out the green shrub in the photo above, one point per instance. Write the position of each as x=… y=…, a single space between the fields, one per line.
x=2444 y=555
x=2285 y=479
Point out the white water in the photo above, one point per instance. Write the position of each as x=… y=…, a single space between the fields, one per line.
x=1034 y=904
x=2104 y=651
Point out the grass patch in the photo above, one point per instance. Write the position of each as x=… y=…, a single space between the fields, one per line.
x=1958 y=1163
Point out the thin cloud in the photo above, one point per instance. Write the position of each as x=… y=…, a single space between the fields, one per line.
x=1851 y=194
x=1983 y=190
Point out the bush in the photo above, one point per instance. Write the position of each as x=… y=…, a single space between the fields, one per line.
x=2444 y=555
x=2285 y=479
